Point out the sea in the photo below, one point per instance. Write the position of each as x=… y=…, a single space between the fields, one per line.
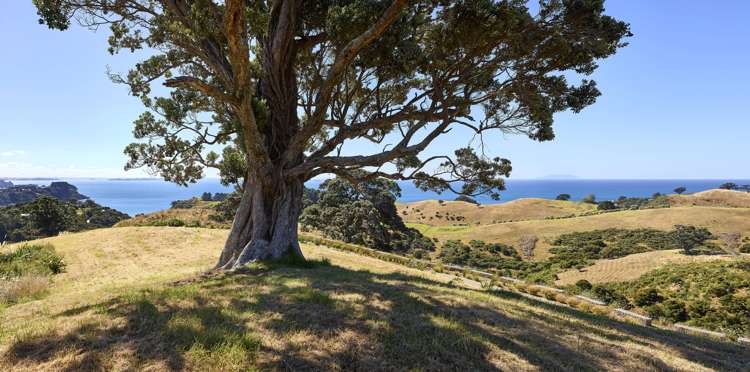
x=145 y=196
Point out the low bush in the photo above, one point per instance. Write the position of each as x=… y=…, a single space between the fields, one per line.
x=712 y=295
x=583 y=285
x=31 y=260
x=24 y=272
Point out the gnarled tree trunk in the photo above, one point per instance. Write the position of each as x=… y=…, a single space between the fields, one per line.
x=265 y=225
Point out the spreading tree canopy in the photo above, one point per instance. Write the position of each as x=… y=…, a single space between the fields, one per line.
x=273 y=93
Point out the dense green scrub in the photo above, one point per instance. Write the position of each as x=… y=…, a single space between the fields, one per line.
x=31 y=260
x=576 y=250
x=46 y=216
x=25 y=271
x=714 y=295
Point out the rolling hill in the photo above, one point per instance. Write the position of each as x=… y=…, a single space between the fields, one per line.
x=133 y=299
x=716 y=219
x=439 y=213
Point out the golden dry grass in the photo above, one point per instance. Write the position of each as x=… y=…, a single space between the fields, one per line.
x=631 y=267
x=198 y=216
x=427 y=211
x=713 y=198
x=115 y=310
x=716 y=219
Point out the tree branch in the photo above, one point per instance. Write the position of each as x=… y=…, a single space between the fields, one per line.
x=342 y=61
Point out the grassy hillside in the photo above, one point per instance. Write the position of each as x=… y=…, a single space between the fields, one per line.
x=199 y=215
x=437 y=213
x=713 y=198
x=716 y=219
x=632 y=267
x=132 y=299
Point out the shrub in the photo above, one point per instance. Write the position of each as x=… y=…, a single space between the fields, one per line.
x=674 y=310
x=583 y=285
x=745 y=248
x=690 y=238
x=728 y=186
x=606 y=206
x=31 y=260
x=171 y=222
x=599 y=310
x=591 y=199
x=584 y=306
x=185 y=204
x=647 y=297
x=563 y=197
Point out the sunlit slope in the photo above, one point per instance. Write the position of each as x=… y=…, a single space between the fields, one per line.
x=438 y=213
x=715 y=219
x=119 y=308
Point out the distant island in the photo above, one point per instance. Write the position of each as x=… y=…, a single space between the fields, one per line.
x=17 y=194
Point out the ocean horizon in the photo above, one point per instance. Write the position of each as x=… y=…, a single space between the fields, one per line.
x=136 y=196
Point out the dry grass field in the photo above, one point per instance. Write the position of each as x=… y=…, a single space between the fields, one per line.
x=713 y=198
x=434 y=213
x=716 y=219
x=132 y=299
x=198 y=216
x=631 y=267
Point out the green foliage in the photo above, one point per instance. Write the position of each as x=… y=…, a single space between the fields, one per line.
x=713 y=295
x=481 y=255
x=45 y=217
x=21 y=194
x=185 y=204
x=680 y=190
x=563 y=197
x=728 y=186
x=692 y=240
x=745 y=248
x=647 y=297
x=580 y=249
x=583 y=285
x=317 y=94
x=612 y=243
x=364 y=214
x=606 y=206
x=590 y=198
x=31 y=260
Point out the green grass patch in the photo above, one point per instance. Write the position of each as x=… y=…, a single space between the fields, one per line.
x=31 y=260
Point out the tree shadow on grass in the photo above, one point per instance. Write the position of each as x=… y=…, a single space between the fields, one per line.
x=332 y=318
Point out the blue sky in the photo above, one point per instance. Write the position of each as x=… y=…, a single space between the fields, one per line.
x=674 y=105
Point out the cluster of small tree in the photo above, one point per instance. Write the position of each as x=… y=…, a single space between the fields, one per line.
x=614 y=243
x=481 y=255
x=711 y=295
x=46 y=216
x=217 y=197
x=734 y=186
x=580 y=249
x=363 y=214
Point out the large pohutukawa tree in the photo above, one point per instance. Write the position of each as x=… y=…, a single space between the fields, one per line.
x=285 y=86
